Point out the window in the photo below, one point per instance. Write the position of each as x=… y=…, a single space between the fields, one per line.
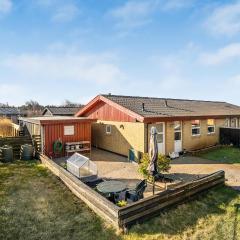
x=234 y=122
x=195 y=127
x=227 y=122
x=108 y=129
x=177 y=131
x=211 y=126
x=68 y=130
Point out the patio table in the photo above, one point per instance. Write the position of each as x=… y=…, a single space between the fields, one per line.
x=111 y=187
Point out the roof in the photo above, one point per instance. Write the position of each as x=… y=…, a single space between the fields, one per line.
x=55 y=119
x=62 y=111
x=8 y=111
x=152 y=107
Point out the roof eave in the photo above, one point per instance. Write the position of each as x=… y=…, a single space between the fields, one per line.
x=172 y=118
x=112 y=103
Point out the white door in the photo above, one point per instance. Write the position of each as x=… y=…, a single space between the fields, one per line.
x=177 y=136
x=161 y=137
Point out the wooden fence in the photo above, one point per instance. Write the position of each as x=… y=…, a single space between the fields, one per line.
x=15 y=130
x=124 y=217
x=95 y=201
x=16 y=143
x=230 y=136
x=37 y=142
x=8 y=129
x=153 y=205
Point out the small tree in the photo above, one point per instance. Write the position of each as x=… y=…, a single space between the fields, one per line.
x=163 y=165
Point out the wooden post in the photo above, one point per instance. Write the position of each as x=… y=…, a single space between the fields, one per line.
x=153 y=185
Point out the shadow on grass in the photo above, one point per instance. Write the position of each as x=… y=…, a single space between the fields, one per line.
x=34 y=204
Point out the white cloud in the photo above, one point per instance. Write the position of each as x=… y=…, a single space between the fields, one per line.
x=177 y=4
x=223 y=55
x=67 y=67
x=225 y=20
x=65 y=13
x=61 y=11
x=5 y=6
x=133 y=13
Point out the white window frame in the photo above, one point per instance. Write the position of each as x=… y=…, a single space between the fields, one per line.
x=195 y=135
x=227 y=122
x=210 y=133
x=108 y=129
x=236 y=122
x=69 y=130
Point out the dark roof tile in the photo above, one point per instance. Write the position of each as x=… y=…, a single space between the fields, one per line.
x=167 y=107
x=62 y=111
x=9 y=111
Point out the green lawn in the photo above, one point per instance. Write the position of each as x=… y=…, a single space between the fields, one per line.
x=34 y=204
x=223 y=155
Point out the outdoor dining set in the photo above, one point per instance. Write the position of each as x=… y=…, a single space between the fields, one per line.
x=117 y=191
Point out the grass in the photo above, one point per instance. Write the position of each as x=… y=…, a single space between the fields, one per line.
x=223 y=155
x=34 y=204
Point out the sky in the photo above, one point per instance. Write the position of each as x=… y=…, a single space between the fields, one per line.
x=52 y=50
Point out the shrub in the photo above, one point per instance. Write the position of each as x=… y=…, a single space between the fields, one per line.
x=163 y=165
x=121 y=203
x=5 y=127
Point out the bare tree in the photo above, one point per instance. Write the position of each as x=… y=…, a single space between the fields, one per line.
x=31 y=108
x=68 y=103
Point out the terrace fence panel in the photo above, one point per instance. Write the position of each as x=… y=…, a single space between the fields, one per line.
x=124 y=217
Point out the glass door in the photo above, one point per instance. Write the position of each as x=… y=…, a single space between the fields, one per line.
x=161 y=137
x=177 y=136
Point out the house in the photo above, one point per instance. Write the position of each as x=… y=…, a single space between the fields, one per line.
x=59 y=128
x=61 y=111
x=11 y=113
x=124 y=122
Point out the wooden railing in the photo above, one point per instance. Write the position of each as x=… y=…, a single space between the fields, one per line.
x=151 y=206
x=15 y=130
x=36 y=139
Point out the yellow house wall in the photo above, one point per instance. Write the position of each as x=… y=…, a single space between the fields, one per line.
x=169 y=136
x=190 y=142
x=124 y=135
x=204 y=139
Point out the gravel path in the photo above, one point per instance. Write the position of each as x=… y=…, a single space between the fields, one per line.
x=188 y=168
x=193 y=166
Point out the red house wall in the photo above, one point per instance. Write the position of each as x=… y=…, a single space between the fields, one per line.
x=105 y=112
x=54 y=131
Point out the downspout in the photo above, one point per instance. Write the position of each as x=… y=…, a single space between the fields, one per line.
x=42 y=138
x=147 y=138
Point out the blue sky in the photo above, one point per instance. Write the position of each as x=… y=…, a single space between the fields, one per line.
x=51 y=50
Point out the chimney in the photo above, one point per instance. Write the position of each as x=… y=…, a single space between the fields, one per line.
x=165 y=103
x=143 y=107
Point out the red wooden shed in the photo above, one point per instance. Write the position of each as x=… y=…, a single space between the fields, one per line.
x=67 y=130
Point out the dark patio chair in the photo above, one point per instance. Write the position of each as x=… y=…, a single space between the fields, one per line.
x=94 y=183
x=136 y=193
x=120 y=196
